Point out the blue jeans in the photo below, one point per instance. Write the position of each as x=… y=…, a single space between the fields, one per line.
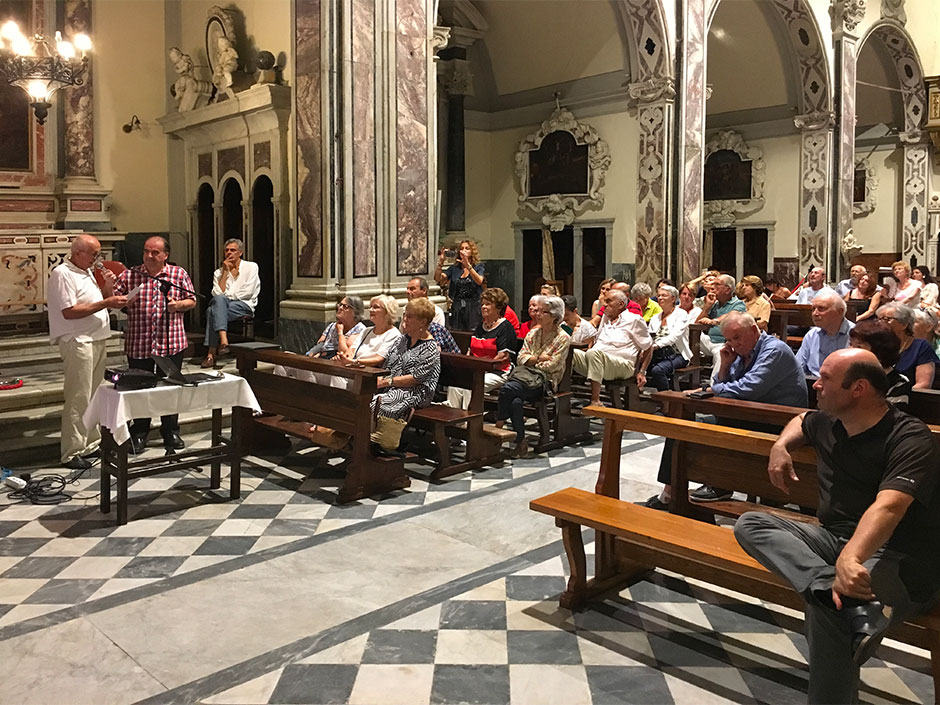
x=222 y=310
x=512 y=397
x=660 y=371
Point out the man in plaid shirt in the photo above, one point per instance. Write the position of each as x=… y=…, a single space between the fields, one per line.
x=149 y=332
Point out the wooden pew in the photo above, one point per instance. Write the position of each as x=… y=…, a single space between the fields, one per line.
x=484 y=446
x=292 y=405
x=632 y=540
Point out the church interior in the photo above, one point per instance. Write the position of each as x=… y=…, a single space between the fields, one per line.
x=346 y=144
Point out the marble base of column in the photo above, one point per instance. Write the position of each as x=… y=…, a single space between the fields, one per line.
x=83 y=203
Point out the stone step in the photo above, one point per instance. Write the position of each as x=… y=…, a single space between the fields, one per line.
x=27 y=354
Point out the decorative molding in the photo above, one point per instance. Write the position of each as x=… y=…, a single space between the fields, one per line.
x=910 y=74
x=871 y=183
x=809 y=50
x=850 y=248
x=893 y=10
x=653 y=90
x=455 y=76
x=644 y=21
x=559 y=210
x=652 y=190
x=846 y=14
x=439 y=38
x=723 y=213
x=914 y=223
x=820 y=120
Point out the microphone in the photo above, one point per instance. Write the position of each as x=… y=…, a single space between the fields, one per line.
x=99 y=264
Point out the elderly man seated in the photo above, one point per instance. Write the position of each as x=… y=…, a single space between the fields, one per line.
x=417 y=288
x=830 y=333
x=846 y=286
x=813 y=287
x=621 y=338
x=235 y=289
x=718 y=303
x=751 y=366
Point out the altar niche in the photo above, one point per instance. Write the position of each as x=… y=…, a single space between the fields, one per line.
x=262 y=252
x=205 y=237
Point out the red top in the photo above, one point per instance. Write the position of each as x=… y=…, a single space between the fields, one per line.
x=513 y=319
x=487 y=343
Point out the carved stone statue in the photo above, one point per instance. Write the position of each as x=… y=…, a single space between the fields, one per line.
x=226 y=62
x=187 y=90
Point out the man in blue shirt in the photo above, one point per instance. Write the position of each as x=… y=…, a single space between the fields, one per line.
x=718 y=303
x=831 y=332
x=751 y=366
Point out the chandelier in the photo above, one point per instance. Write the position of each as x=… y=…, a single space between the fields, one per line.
x=40 y=67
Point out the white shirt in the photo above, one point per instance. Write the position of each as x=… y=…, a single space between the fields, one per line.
x=438 y=315
x=67 y=287
x=584 y=332
x=808 y=293
x=245 y=287
x=676 y=333
x=372 y=344
x=625 y=337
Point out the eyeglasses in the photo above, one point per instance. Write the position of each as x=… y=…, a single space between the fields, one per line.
x=340 y=306
x=886 y=317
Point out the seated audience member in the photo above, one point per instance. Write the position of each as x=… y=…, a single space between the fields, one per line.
x=602 y=296
x=719 y=302
x=445 y=341
x=877 y=337
x=927 y=327
x=642 y=295
x=918 y=360
x=632 y=306
x=340 y=337
x=667 y=282
x=511 y=316
x=582 y=332
x=414 y=367
x=235 y=289
x=700 y=285
x=907 y=291
x=545 y=348
x=548 y=290
x=816 y=283
x=707 y=297
x=778 y=292
x=866 y=290
x=872 y=562
x=830 y=333
x=373 y=345
x=687 y=303
x=532 y=323
x=417 y=288
x=670 y=331
x=846 y=286
x=751 y=292
x=495 y=339
x=929 y=292
x=621 y=339
x=752 y=366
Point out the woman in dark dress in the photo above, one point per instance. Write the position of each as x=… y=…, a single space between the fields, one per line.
x=918 y=360
x=464 y=280
x=877 y=337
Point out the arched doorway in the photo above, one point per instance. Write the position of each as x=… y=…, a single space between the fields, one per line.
x=262 y=250
x=205 y=238
x=232 y=218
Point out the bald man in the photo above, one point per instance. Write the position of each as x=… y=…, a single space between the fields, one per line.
x=78 y=322
x=872 y=562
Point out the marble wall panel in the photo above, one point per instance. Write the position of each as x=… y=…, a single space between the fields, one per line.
x=309 y=157
x=204 y=165
x=502 y=273
x=814 y=197
x=652 y=196
x=261 y=155
x=914 y=225
x=79 y=102
x=363 y=147
x=232 y=159
x=845 y=129
x=412 y=137
x=693 y=93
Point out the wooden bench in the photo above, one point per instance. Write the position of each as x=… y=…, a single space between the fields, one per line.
x=632 y=540
x=292 y=405
x=484 y=445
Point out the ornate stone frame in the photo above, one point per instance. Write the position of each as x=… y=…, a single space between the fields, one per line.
x=219 y=23
x=720 y=214
x=560 y=210
x=871 y=183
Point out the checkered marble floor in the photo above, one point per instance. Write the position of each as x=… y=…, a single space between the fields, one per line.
x=56 y=557
x=662 y=640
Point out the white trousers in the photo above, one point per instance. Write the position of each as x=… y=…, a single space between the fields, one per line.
x=597 y=365
x=459 y=398
x=84 y=371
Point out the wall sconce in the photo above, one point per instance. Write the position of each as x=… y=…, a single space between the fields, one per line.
x=134 y=124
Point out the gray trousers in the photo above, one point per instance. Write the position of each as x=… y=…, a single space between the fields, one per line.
x=805 y=555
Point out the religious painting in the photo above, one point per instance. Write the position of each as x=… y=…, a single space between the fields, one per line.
x=15 y=118
x=559 y=165
x=858 y=186
x=727 y=176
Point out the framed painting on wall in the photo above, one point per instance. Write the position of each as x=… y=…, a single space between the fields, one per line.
x=16 y=125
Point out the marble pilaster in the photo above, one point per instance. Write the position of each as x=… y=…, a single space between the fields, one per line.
x=363 y=182
x=914 y=212
x=457 y=81
x=690 y=90
x=815 y=223
x=79 y=102
x=655 y=120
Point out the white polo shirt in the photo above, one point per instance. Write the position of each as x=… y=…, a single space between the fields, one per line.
x=67 y=287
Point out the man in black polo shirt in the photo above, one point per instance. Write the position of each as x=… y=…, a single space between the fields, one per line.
x=873 y=561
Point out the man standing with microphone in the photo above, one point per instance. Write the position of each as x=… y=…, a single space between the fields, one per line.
x=78 y=322
x=155 y=325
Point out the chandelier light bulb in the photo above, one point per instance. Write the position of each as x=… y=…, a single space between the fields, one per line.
x=37 y=90
x=66 y=50
x=22 y=46
x=10 y=31
x=82 y=42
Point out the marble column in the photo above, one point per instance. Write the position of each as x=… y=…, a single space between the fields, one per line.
x=655 y=118
x=914 y=216
x=846 y=16
x=815 y=196
x=457 y=82
x=685 y=262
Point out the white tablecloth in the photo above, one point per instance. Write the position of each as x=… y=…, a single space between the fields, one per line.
x=113 y=409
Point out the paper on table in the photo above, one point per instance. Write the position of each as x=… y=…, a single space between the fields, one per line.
x=133 y=293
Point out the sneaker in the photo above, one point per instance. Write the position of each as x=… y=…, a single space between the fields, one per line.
x=868 y=623
x=706 y=493
x=654 y=502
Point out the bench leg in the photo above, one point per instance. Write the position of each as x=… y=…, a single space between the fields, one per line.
x=573 y=596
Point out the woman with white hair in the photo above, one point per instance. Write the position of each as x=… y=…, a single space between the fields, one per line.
x=542 y=358
x=670 y=331
x=642 y=294
x=373 y=345
x=918 y=360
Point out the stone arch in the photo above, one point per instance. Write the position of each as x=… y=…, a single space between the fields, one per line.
x=900 y=47
x=643 y=25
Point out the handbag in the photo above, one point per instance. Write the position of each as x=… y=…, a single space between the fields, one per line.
x=530 y=378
